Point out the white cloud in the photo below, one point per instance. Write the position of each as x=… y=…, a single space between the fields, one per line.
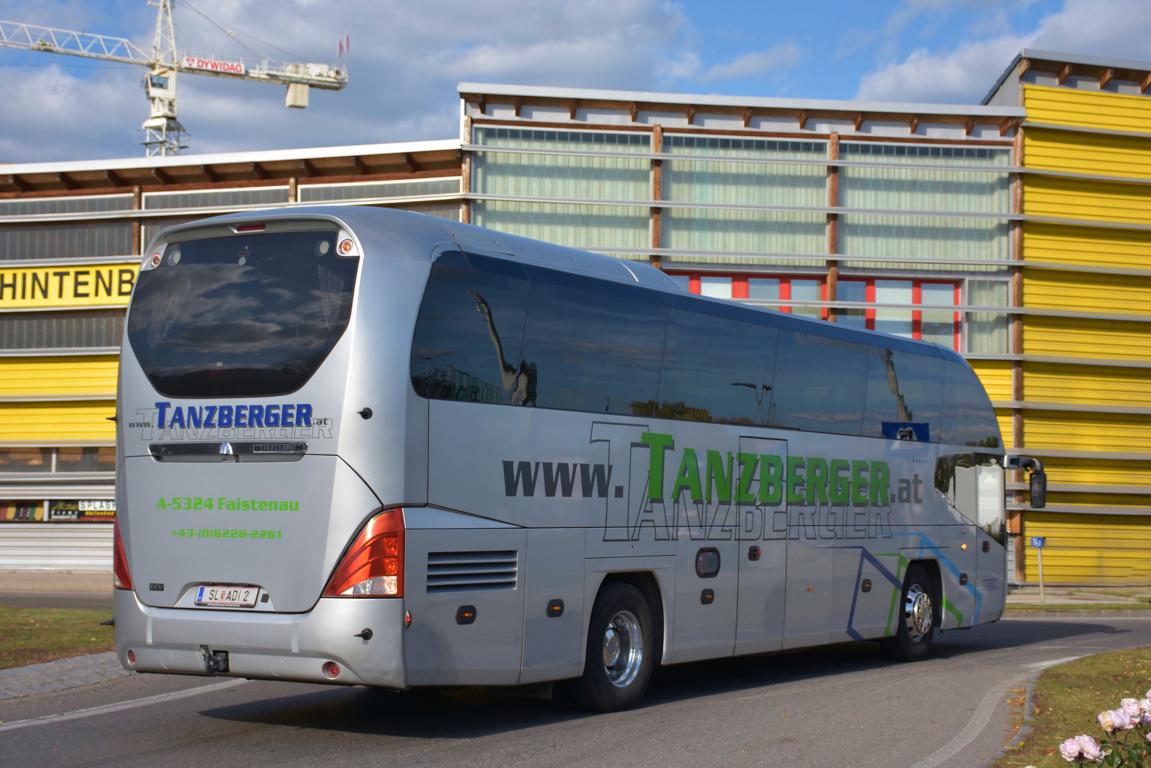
x=783 y=55
x=1105 y=28
x=406 y=60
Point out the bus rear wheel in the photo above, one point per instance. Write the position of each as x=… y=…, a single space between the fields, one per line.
x=620 y=656
x=916 y=627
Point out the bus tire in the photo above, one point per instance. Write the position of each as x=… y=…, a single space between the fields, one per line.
x=620 y=651
x=915 y=630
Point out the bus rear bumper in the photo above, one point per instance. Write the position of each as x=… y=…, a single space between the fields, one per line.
x=267 y=646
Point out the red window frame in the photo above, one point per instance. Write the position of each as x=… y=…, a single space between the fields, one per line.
x=740 y=290
x=917 y=300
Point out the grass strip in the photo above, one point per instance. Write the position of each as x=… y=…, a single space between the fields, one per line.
x=1068 y=697
x=1080 y=607
x=34 y=635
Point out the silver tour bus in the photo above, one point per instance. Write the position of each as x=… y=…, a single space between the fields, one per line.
x=369 y=447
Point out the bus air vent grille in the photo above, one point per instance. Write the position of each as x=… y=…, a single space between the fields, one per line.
x=470 y=571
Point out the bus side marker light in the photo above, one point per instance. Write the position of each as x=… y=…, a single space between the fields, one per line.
x=707 y=597
x=466 y=614
x=555 y=608
x=963 y=579
x=963 y=546
x=866 y=586
x=131 y=655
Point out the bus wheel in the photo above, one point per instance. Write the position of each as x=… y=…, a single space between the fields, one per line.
x=916 y=628
x=620 y=655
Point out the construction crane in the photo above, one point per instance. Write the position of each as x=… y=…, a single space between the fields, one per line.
x=163 y=133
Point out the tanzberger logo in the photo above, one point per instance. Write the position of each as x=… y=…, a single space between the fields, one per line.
x=230 y=421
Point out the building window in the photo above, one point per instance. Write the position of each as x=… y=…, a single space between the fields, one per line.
x=784 y=293
x=911 y=313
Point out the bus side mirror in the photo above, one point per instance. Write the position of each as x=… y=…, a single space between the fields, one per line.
x=1038 y=489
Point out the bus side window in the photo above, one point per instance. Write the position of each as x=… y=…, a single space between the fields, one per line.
x=469 y=333
x=905 y=393
x=968 y=418
x=817 y=384
x=972 y=483
x=717 y=368
x=597 y=346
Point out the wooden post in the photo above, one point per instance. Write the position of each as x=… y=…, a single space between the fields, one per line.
x=832 y=225
x=466 y=173
x=657 y=195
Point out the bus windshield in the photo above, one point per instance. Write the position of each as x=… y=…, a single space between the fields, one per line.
x=248 y=315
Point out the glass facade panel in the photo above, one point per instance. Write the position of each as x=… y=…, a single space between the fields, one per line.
x=987 y=332
x=61 y=330
x=716 y=287
x=938 y=326
x=216 y=198
x=564 y=177
x=86 y=459
x=807 y=291
x=855 y=291
x=723 y=180
x=25 y=459
x=48 y=205
x=763 y=288
x=316 y=193
x=578 y=226
x=65 y=241
x=904 y=239
x=894 y=321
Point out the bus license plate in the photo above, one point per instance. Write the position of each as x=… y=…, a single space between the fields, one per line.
x=222 y=596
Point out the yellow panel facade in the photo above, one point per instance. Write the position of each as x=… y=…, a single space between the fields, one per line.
x=1086 y=246
x=1004 y=418
x=996 y=377
x=1087 y=109
x=56 y=376
x=1111 y=432
x=1083 y=199
x=1087 y=339
x=1086 y=384
x=59 y=286
x=1095 y=549
x=49 y=423
x=1127 y=156
x=1065 y=470
x=1082 y=292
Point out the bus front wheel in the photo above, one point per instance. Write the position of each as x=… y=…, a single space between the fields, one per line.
x=916 y=627
x=620 y=656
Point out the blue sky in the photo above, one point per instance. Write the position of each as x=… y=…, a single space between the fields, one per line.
x=408 y=55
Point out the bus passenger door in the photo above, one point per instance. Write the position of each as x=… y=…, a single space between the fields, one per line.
x=761 y=514
x=706 y=561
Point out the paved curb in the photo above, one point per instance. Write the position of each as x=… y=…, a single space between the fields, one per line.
x=60 y=675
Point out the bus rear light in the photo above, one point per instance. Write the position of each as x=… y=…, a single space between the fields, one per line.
x=331 y=670
x=240 y=228
x=373 y=566
x=121 y=575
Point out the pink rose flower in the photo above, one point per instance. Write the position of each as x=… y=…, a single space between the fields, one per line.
x=1106 y=720
x=1130 y=707
x=1090 y=747
x=1070 y=750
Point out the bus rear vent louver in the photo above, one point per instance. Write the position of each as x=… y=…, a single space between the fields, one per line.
x=468 y=571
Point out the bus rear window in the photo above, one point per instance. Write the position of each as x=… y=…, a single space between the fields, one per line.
x=250 y=315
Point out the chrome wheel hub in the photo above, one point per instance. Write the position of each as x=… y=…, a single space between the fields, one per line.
x=622 y=649
x=918 y=613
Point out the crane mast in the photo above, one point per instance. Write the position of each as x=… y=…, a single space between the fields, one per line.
x=162 y=131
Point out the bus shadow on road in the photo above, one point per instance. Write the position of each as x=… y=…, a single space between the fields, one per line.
x=472 y=712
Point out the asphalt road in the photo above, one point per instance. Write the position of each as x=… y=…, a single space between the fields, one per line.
x=837 y=706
